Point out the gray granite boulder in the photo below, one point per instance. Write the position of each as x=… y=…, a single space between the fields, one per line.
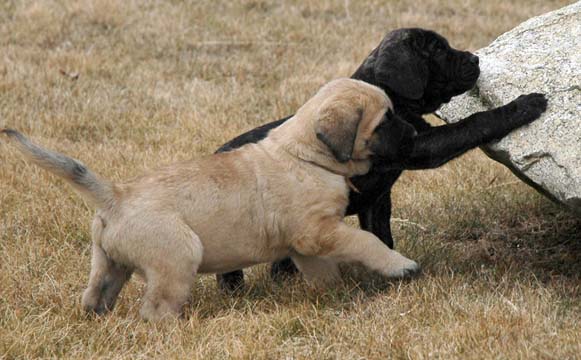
x=542 y=54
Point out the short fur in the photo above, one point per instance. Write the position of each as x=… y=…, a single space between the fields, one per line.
x=419 y=71
x=284 y=196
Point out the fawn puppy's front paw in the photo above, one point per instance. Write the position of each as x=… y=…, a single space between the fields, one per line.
x=405 y=268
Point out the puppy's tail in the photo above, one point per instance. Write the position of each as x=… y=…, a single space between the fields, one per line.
x=99 y=192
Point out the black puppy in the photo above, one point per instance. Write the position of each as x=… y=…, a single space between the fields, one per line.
x=419 y=71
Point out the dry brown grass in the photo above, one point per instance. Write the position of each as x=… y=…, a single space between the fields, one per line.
x=164 y=81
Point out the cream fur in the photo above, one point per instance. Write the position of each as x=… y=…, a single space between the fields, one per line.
x=284 y=196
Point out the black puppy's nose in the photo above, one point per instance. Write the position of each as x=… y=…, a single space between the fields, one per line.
x=474 y=59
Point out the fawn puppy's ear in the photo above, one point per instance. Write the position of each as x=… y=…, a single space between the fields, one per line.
x=337 y=126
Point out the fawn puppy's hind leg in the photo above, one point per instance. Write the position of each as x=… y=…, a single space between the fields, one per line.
x=105 y=282
x=106 y=279
x=170 y=278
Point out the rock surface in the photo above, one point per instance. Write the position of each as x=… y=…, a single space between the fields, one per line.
x=542 y=54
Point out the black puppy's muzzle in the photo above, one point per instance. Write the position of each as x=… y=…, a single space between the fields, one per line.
x=469 y=69
x=473 y=59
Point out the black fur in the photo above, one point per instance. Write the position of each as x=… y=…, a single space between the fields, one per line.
x=419 y=71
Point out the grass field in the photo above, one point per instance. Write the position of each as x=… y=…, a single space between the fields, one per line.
x=131 y=85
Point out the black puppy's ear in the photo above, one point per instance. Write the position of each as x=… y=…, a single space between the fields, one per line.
x=400 y=69
x=337 y=128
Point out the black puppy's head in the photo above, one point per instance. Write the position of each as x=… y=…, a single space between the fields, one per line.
x=419 y=70
x=392 y=141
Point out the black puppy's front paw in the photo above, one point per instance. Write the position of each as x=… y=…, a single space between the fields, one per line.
x=530 y=107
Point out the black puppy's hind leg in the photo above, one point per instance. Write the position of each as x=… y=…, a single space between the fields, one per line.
x=283 y=269
x=232 y=281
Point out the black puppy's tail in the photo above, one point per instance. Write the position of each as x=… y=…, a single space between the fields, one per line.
x=99 y=192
